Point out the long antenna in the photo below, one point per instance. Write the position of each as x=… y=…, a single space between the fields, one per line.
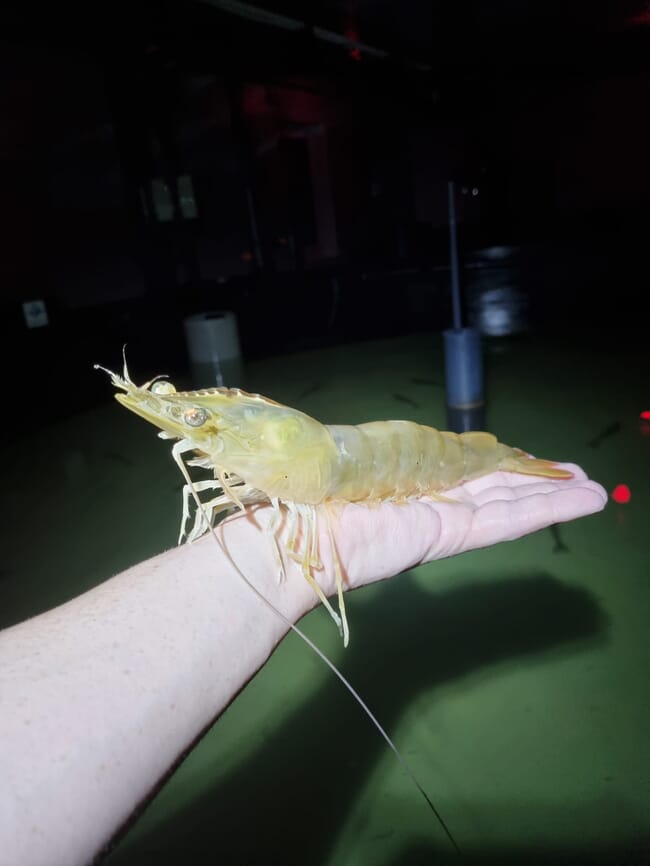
x=364 y=706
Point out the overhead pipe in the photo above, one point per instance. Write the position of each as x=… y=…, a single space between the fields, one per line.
x=284 y=22
x=254 y=13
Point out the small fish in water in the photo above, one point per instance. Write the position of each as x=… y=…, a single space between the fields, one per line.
x=560 y=546
x=614 y=427
x=311 y=390
x=418 y=381
x=403 y=399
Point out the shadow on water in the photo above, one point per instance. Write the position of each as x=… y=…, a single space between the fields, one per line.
x=284 y=803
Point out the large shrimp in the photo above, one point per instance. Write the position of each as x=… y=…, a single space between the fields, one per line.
x=260 y=451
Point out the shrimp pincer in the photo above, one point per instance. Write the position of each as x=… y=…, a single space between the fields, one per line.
x=260 y=451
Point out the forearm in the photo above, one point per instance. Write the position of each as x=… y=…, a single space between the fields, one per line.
x=101 y=696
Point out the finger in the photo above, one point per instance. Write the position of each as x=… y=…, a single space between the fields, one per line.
x=503 y=520
x=522 y=490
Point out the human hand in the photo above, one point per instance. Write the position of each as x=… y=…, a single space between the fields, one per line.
x=376 y=543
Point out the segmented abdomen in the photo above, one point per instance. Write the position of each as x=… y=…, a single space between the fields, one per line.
x=397 y=459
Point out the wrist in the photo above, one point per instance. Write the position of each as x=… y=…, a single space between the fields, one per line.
x=256 y=562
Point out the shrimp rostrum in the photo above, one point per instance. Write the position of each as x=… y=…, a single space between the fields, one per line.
x=260 y=451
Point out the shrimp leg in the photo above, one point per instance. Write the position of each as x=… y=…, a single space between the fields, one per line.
x=307 y=515
x=345 y=631
x=271 y=530
x=199 y=519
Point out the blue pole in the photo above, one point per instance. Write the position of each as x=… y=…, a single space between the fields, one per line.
x=463 y=354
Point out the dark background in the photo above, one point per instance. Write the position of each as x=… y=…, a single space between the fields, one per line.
x=163 y=158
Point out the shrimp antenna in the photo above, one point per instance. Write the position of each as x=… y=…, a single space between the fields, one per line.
x=330 y=664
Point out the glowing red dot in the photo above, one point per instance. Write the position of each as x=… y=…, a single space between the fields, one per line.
x=621 y=494
x=645 y=415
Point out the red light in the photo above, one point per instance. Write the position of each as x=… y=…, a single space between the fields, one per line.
x=645 y=415
x=641 y=18
x=621 y=494
x=350 y=32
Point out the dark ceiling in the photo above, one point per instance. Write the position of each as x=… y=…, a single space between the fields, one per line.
x=467 y=32
x=589 y=36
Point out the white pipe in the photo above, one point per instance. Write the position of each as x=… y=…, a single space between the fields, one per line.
x=254 y=13
x=338 y=39
x=263 y=16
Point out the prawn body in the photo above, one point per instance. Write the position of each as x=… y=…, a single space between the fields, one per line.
x=261 y=451
x=399 y=460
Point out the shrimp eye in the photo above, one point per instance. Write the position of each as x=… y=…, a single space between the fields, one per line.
x=161 y=387
x=195 y=416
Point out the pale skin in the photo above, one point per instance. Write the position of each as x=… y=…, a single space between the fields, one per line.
x=101 y=696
